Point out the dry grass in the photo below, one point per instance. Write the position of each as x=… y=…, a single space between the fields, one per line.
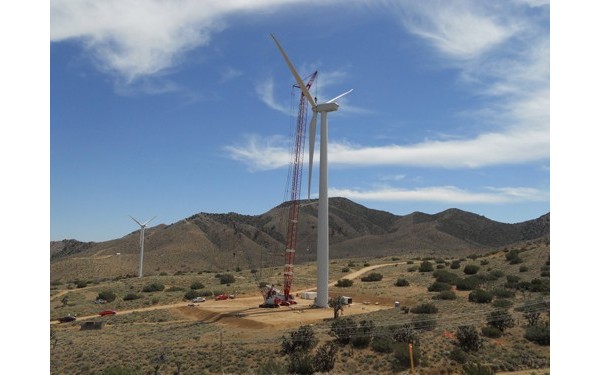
x=192 y=335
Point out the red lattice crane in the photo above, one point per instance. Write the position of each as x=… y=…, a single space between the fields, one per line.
x=296 y=181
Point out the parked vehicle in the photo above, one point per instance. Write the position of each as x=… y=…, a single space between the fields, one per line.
x=66 y=319
x=99 y=301
x=107 y=312
x=221 y=297
x=199 y=299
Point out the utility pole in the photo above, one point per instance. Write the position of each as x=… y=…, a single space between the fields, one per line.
x=412 y=364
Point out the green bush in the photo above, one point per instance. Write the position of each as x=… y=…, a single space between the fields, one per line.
x=107 y=295
x=301 y=363
x=153 y=287
x=439 y=287
x=503 y=293
x=446 y=295
x=513 y=257
x=480 y=296
x=545 y=274
x=344 y=283
x=539 y=334
x=455 y=264
x=364 y=333
x=120 y=370
x=424 y=323
x=81 y=284
x=405 y=333
x=523 y=268
x=345 y=269
x=500 y=319
x=468 y=283
x=491 y=332
x=540 y=286
x=445 y=276
x=468 y=339
x=374 y=276
x=131 y=297
x=412 y=268
x=382 y=344
x=227 y=278
x=324 y=359
x=458 y=355
x=424 y=308
x=402 y=282
x=477 y=369
x=426 y=266
x=196 y=285
x=471 y=269
x=302 y=339
x=343 y=330
x=497 y=274
x=175 y=289
x=484 y=262
x=402 y=356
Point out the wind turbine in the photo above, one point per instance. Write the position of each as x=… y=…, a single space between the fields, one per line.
x=323 y=210
x=142 y=230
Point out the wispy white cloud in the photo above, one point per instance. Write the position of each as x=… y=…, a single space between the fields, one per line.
x=134 y=38
x=265 y=90
x=261 y=153
x=229 y=73
x=445 y=194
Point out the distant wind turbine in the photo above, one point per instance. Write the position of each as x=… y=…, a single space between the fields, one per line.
x=142 y=230
x=323 y=211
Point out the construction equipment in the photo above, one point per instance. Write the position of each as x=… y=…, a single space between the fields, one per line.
x=273 y=297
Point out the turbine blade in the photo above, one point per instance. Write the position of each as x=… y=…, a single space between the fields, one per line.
x=339 y=96
x=311 y=147
x=149 y=221
x=295 y=73
x=132 y=218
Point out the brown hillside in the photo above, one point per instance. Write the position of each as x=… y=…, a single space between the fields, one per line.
x=208 y=241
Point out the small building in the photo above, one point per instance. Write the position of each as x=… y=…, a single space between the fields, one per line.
x=308 y=295
x=346 y=300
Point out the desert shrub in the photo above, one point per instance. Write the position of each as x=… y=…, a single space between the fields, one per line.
x=513 y=257
x=500 y=319
x=540 y=286
x=455 y=264
x=191 y=294
x=473 y=256
x=344 y=283
x=497 y=274
x=446 y=295
x=471 y=269
x=440 y=266
x=351 y=264
x=227 y=278
x=480 y=296
x=523 y=268
x=439 y=287
x=545 y=267
x=153 y=287
x=545 y=274
x=345 y=269
x=412 y=268
x=373 y=276
x=302 y=339
x=539 y=334
x=402 y=356
x=410 y=262
x=424 y=308
x=343 y=330
x=405 y=333
x=502 y=303
x=458 y=355
x=382 y=344
x=196 y=285
x=252 y=271
x=477 y=369
x=491 y=332
x=440 y=261
x=81 y=283
x=131 y=297
x=366 y=264
x=513 y=279
x=363 y=335
x=424 y=323
x=468 y=283
x=468 y=338
x=503 y=293
x=426 y=266
x=301 y=363
x=107 y=295
x=445 y=276
x=484 y=262
x=324 y=359
x=394 y=259
x=402 y=282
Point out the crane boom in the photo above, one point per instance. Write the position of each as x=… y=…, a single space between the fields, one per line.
x=296 y=181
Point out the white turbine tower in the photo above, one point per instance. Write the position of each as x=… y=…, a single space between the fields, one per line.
x=142 y=230
x=323 y=211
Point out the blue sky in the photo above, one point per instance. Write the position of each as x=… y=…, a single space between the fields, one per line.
x=168 y=109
